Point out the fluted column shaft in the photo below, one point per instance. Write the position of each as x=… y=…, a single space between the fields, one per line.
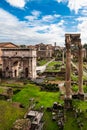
x=80 y=70
x=68 y=73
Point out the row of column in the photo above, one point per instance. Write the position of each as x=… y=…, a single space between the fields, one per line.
x=68 y=68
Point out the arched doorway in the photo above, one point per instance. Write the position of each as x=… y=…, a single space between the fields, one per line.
x=15 y=69
x=15 y=73
x=7 y=72
x=26 y=72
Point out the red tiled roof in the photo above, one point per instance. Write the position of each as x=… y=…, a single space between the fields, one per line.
x=3 y=44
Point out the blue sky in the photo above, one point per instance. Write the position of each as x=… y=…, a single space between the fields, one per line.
x=35 y=21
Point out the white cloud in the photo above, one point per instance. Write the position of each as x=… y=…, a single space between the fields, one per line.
x=36 y=13
x=49 y=18
x=61 y=1
x=34 y=20
x=17 y=3
x=81 y=19
x=20 y=32
x=82 y=28
x=39 y=30
x=34 y=16
x=75 y=5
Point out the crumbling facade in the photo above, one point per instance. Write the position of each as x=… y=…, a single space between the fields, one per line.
x=44 y=51
x=73 y=39
x=19 y=63
x=6 y=45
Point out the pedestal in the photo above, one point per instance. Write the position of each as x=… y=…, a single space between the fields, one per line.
x=68 y=104
x=78 y=96
x=81 y=96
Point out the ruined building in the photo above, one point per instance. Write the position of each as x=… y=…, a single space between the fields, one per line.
x=6 y=45
x=44 y=51
x=73 y=39
x=18 y=63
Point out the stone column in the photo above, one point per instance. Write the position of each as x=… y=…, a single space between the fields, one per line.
x=80 y=69
x=63 y=56
x=33 y=67
x=10 y=67
x=68 y=71
x=21 y=65
x=30 y=67
x=68 y=96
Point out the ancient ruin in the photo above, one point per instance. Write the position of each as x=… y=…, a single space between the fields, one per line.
x=22 y=124
x=36 y=120
x=73 y=39
x=19 y=63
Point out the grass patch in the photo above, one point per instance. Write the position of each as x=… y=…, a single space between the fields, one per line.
x=54 y=63
x=41 y=98
x=75 y=88
x=8 y=114
x=74 y=77
x=49 y=124
x=32 y=91
x=1 y=90
x=54 y=66
x=80 y=104
x=70 y=123
x=41 y=62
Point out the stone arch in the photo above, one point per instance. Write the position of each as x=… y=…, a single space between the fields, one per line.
x=26 y=72
x=7 y=72
x=15 y=73
x=15 y=68
x=15 y=63
x=7 y=68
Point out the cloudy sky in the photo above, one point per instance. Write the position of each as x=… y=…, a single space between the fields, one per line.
x=47 y=21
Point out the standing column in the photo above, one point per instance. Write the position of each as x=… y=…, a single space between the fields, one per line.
x=80 y=67
x=68 y=73
x=30 y=67
x=22 y=67
x=63 y=56
x=68 y=69
x=10 y=67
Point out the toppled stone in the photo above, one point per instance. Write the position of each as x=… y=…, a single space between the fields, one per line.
x=22 y=124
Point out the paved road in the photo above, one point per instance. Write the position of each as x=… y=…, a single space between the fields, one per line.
x=41 y=69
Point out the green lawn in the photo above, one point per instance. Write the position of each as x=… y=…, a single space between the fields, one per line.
x=70 y=123
x=54 y=66
x=41 y=97
x=41 y=62
x=8 y=115
x=54 y=63
x=49 y=124
x=1 y=90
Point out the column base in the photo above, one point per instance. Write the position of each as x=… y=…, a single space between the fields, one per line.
x=68 y=104
x=78 y=96
x=81 y=96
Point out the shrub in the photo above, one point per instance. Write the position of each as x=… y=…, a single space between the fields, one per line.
x=75 y=88
x=85 y=88
x=49 y=87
